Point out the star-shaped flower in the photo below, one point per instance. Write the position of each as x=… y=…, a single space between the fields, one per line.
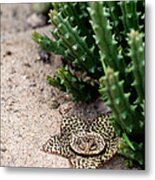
x=86 y=145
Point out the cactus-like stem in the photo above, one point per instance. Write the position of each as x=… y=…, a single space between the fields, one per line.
x=137 y=154
x=76 y=44
x=114 y=11
x=130 y=16
x=104 y=37
x=81 y=21
x=47 y=44
x=136 y=52
x=124 y=112
x=116 y=23
x=67 y=81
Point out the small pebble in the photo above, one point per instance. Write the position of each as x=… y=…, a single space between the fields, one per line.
x=27 y=65
x=3 y=149
x=44 y=56
x=36 y=20
x=8 y=53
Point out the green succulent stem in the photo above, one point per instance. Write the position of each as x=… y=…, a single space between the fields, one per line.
x=130 y=15
x=68 y=82
x=74 y=42
x=112 y=88
x=103 y=36
x=136 y=52
x=46 y=43
x=137 y=155
x=125 y=137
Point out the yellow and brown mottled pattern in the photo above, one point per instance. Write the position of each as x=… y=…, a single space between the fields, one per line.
x=85 y=145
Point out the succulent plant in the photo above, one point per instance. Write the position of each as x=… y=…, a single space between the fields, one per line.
x=69 y=81
x=73 y=39
x=122 y=86
x=103 y=48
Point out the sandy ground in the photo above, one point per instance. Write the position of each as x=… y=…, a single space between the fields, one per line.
x=30 y=108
